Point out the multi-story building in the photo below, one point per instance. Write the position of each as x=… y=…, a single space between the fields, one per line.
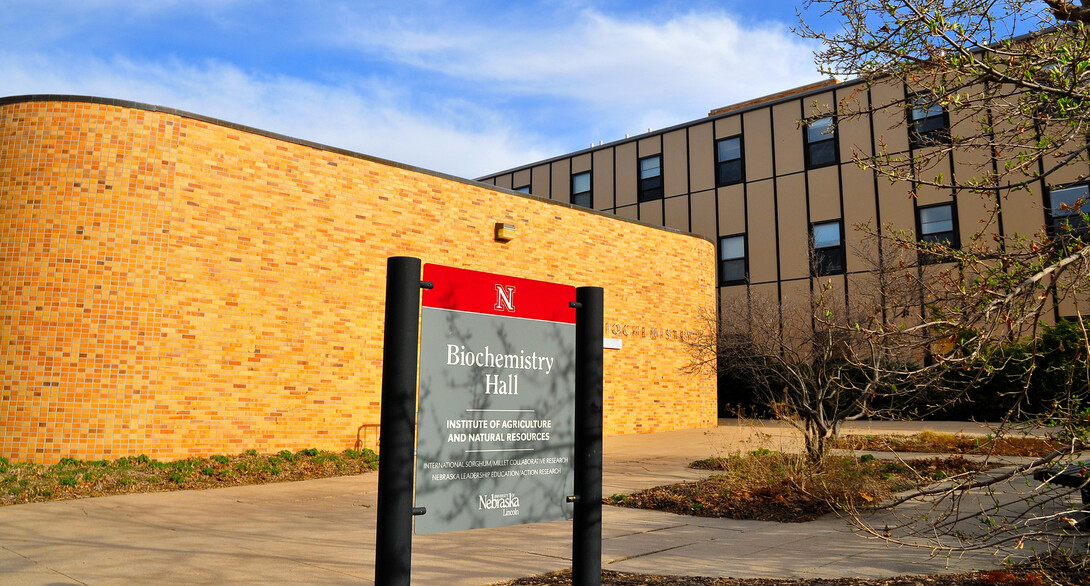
x=775 y=183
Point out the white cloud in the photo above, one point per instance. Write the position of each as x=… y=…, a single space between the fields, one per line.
x=361 y=115
x=620 y=67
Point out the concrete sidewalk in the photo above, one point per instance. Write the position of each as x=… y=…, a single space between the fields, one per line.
x=323 y=531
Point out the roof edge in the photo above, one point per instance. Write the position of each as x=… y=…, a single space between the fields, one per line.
x=741 y=108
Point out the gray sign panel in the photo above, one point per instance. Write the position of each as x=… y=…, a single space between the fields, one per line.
x=495 y=430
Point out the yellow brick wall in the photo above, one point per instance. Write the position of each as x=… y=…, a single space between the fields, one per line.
x=174 y=286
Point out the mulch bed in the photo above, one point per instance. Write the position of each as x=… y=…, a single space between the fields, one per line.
x=786 y=498
x=1048 y=571
x=944 y=443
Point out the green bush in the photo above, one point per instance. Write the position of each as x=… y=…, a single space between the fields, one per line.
x=1027 y=377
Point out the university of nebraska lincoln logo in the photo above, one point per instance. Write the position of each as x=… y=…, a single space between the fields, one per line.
x=505 y=298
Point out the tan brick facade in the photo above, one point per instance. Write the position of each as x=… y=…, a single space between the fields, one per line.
x=171 y=285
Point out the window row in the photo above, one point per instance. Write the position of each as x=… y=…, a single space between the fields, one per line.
x=936 y=224
x=821 y=151
x=928 y=124
x=1067 y=209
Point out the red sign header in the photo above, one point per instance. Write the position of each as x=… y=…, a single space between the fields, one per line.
x=489 y=293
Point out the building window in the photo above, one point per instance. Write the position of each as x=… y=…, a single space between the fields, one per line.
x=728 y=161
x=937 y=225
x=732 y=259
x=827 y=247
x=580 y=189
x=523 y=189
x=821 y=142
x=651 y=178
x=928 y=123
x=1066 y=207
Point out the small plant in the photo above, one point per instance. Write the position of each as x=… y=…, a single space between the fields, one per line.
x=286 y=455
x=866 y=458
x=250 y=452
x=327 y=457
x=309 y=452
x=208 y=471
x=218 y=459
x=68 y=481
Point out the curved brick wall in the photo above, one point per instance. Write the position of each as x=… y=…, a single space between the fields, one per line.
x=173 y=285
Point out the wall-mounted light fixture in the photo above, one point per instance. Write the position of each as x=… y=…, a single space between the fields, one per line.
x=504 y=232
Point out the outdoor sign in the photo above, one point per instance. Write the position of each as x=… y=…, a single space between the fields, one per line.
x=495 y=427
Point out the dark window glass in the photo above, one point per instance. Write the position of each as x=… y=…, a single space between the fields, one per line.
x=828 y=248
x=650 y=178
x=580 y=189
x=732 y=259
x=820 y=142
x=728 y=161
x=937 y=227
x=1066 y=207
x=523 y=189
x=937 y=224
x=928 y=122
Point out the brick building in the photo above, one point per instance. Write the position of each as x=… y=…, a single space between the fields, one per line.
x=176 y=285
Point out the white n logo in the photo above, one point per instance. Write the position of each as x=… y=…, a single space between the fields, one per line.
x=505 y=297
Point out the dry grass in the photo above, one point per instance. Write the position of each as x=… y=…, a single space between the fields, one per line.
x=770 y=486
x=948 y=443
x=1046 y=571
x=68 y=479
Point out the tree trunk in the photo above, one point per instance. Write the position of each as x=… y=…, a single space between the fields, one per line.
x=817 y=446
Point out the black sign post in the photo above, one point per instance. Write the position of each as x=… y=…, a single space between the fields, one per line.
x=587 y=520
x=542 y=419
x=394 y=539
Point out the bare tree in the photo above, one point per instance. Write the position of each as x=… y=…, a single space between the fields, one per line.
x=815 y=363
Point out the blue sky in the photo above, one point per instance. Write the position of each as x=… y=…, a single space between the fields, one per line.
x=460 y=87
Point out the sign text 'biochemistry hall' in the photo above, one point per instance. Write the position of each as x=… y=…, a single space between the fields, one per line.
x=495 y=431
